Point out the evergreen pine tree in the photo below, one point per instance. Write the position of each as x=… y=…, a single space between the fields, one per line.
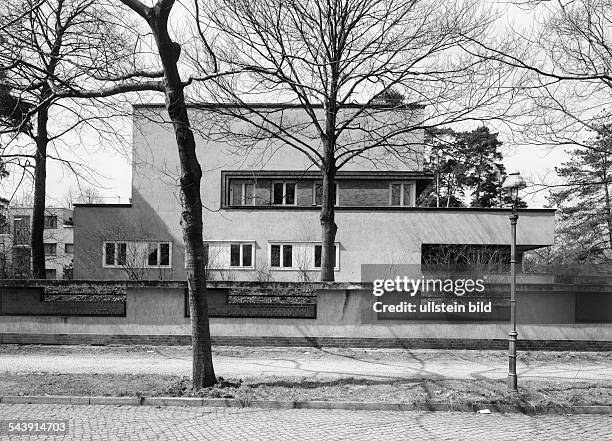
x=584 y=228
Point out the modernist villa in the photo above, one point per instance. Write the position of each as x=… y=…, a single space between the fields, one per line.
x=261 y=209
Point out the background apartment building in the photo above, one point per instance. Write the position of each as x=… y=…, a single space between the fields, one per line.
x=15 y=247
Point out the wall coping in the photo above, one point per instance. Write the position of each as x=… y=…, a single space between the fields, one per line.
x=344 y=286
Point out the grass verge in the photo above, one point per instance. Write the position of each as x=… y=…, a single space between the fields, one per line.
x=418 y=392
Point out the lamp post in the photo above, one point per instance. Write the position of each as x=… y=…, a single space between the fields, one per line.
x=512 y=184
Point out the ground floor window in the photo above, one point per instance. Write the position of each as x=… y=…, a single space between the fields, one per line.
x=137 y=254
x=281 y=256
x=115 y=253
x=317 y=256
x=241 y=255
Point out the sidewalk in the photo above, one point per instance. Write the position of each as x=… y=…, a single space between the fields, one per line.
x=248 y=363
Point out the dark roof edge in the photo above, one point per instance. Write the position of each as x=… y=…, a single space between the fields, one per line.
x=275 y=106
x=103 y=205
x=382 y=174
x=386 y=208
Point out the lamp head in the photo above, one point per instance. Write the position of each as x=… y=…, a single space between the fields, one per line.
x=513 y=183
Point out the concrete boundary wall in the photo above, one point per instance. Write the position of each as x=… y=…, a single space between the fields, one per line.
x=156 y=315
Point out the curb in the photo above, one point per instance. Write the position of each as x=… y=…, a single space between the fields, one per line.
x=284 y=405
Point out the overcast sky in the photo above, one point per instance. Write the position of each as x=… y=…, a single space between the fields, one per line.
x=112 y=176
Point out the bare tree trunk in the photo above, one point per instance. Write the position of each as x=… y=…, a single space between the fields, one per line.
x=437 y=180
x=328 y=198
x=203 y=374
x=328 y=225
x=40 y=185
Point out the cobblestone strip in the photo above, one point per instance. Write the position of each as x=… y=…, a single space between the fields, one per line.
x=188 y=423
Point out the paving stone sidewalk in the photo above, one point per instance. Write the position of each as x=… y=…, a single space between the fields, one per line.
x=177 y=423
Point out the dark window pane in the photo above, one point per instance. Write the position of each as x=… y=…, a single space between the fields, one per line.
x=235 y=255
x=247 y=255
x=277 y=193
x=318 y=193
x=334 y=257
x=235 y=193
x=275 y=255
x=317 y=257
x=69 y=248
x=21 y=230
x=164 y=254
x=206 y=254
x=21 y=260
x=287 y=256
x=248 y=194
x=407 y=195
x=50 y=249
x=396 y=194
x=122 y=254
x=290 y=196
x=152 y=253
x=109 y=252
x=50 y=222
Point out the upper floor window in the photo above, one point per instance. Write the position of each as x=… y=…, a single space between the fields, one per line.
x=241 y=193
x=68 y=248
x=21 y=230
x=317 y=193
x=241 y=255
x=50 y=249
x=50 y=222
x=283 y=193
x=281 y=256
x=402 y=194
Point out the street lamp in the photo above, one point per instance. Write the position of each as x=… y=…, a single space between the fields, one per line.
x=511 y=185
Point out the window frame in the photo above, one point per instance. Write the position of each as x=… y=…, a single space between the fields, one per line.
x=54 y=223
x=46 y=244
x=284 y=198
x=314 y=260
x=403 y=192
x=159 y=244
x=242 y=195
x=144 y=264
x=66 y=247
x=241 y=246
x=282 y=259
x=115 y=253
x=314 y=193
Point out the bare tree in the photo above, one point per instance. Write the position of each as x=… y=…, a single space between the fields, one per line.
x=50 y=72
x=83 y=195
x=173 y=86
x=51 y=54
x=344 y=63
x=565 y=47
